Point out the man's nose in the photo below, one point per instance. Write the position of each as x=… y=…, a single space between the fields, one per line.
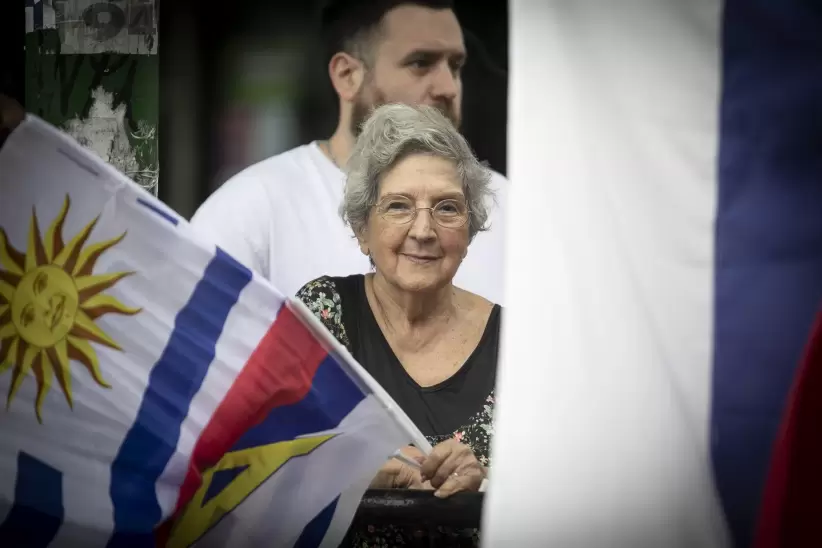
x=445 y=84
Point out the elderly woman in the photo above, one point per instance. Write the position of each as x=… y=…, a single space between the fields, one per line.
x=415 y=197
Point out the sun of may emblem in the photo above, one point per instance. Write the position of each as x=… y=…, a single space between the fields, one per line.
x=50 y=298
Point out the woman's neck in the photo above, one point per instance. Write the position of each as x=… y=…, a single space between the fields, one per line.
x=405 y=311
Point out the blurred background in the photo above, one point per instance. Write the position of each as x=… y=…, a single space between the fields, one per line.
x=183 y=95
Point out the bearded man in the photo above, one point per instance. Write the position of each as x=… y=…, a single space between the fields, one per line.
x=280 y=216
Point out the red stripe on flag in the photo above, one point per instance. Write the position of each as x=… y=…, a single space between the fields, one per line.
x=790 y=515
x=280 y=372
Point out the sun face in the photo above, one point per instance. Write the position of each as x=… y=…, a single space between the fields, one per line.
x=49 y=301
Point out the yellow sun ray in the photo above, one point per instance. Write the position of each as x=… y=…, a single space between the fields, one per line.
x=85 y=328
x=67 y=258
x=50 y=297
x=35 y=253
x=89 y=286
x=7 y=331
x=59 y=359
x=54 y=235
x=88 y=258
x=8 y=349
x=22 y=368
x=11 y=260
x=44 y=375
x=81 y=351
x=106 y=304
x=8 y=283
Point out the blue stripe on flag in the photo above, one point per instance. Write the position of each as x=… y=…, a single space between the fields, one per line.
x=333 y=395
x=314 y=533
x=37 y=513
x=172 y=384
x=156 y=209
x=768 y=235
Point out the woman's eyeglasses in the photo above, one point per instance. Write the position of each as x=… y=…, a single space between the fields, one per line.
x=400 y=210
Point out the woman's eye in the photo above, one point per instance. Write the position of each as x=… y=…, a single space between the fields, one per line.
x=398 y=206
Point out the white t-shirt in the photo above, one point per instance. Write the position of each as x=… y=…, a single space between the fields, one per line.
x=280 y=217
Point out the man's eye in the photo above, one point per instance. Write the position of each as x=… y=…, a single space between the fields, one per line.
x=421 y=64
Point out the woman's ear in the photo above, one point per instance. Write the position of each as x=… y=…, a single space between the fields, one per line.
x=365 y=249
x=362 y=240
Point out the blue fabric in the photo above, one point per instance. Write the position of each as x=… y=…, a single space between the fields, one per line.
x=768 y=279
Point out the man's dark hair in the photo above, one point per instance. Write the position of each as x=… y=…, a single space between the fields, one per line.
x=348 y=25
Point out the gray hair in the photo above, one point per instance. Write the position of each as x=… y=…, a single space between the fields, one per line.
x=395 y=131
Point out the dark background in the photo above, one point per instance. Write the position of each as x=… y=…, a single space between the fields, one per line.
x=241 y=81
x=12 y=53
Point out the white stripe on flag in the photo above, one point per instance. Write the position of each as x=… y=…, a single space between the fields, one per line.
x=347 y=506
x=612 y=140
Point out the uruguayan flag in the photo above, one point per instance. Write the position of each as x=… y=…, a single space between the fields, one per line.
x=156 y=391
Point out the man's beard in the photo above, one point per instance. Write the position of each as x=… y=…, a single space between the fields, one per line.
x=362 y=109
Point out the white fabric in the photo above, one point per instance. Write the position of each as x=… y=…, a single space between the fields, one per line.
x=602 y=420
x=280 y=217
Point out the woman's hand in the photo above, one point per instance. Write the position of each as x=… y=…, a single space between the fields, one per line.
x=452 y=467
x=397 y=475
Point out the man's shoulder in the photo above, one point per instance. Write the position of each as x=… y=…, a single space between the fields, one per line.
x=283 y=166
x=261 y=185
x=499 y=186
x=497 y=176
x=498 y=180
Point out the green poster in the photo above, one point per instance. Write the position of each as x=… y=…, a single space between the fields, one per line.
x=102 y=92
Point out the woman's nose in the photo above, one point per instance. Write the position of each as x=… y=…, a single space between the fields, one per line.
x=422 y=226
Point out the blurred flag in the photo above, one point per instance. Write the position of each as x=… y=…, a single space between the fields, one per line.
x=155 y=389
x=793 y=493
x=666 y=161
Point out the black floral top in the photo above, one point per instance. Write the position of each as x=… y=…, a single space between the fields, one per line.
x=327 y=299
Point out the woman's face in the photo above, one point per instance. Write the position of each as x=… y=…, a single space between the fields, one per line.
x=420 y=255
